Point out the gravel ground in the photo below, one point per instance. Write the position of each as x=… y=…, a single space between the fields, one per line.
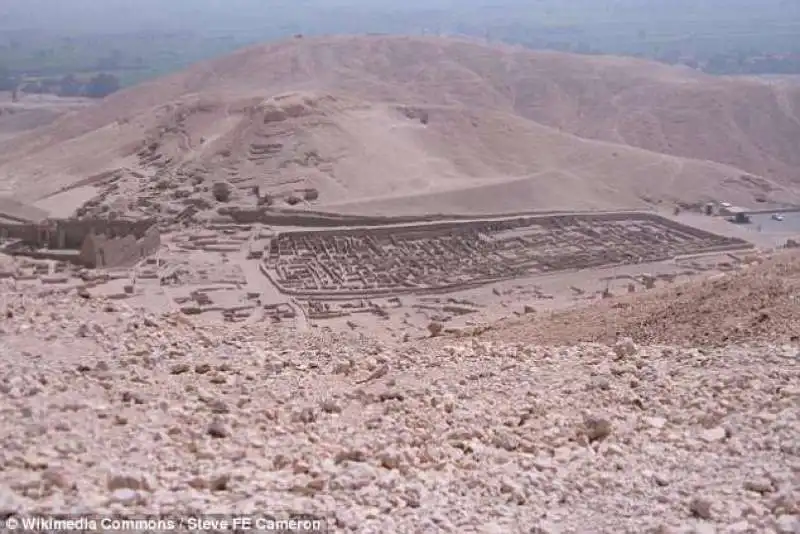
x=759 y=302
x=106 y=410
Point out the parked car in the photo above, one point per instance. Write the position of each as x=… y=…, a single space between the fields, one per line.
x=777 y=217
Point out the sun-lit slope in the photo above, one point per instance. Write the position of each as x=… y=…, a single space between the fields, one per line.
x=505 y=163
x=364 y=156
x=743 y=122
x=758 y=303
x=555 y=128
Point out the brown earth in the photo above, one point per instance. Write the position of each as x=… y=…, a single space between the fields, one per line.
x=409 y=125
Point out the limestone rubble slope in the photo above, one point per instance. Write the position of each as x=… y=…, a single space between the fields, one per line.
x=105 y=409
x=759 y=302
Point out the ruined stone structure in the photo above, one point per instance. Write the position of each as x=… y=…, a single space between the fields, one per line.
x=458 y=255
x=94 y=243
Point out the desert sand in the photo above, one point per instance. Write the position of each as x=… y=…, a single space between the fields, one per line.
x=410 y=125
x=33 y=111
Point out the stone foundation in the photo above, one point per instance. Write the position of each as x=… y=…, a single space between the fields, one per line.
x=94 y=243
x=452 y=256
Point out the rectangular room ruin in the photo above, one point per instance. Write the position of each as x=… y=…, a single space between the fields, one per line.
x=93 y=243
x=453 y=256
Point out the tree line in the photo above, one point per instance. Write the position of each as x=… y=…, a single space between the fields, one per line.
x=95 y=86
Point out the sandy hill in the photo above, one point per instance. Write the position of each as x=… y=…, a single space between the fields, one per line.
x=758 y=303
x=33 y=111
x=425 y=124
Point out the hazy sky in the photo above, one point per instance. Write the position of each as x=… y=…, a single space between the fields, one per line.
x=135 y=15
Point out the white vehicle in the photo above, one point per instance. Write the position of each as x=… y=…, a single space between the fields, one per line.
x=777 y=217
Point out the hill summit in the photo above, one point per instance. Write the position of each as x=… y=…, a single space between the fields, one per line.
x=421 y=124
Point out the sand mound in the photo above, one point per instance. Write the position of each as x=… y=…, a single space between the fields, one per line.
x=380 y=122
x=16 y=211
x=33 y=111
x=761 y=302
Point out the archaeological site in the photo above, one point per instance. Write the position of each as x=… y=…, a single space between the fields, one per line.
x=455 y=256
x=413 y=285
x=94 y=243
x=310 y=269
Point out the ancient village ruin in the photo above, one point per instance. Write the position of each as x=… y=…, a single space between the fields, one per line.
x=93 y=243
x=298 y=267
x=455 y=255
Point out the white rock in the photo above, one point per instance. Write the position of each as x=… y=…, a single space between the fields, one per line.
x=741 y=527
x=655 y=422
x=704 y=528
x=10 y=502
x=713 y=435
x=125 y=496
x=788 y=524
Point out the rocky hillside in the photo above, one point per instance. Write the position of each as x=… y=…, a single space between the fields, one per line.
x=108 y=410
x=759 y=302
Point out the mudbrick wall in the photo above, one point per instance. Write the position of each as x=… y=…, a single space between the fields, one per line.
x=69 y=233
x=74 y=232
x=539 y=219
x=102 y=243
x=27 y=232
x=310 y=218
x=294 y=217
x=105 y=251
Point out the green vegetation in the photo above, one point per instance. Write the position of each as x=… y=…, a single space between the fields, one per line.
x=88 y=48
x=95 y=65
